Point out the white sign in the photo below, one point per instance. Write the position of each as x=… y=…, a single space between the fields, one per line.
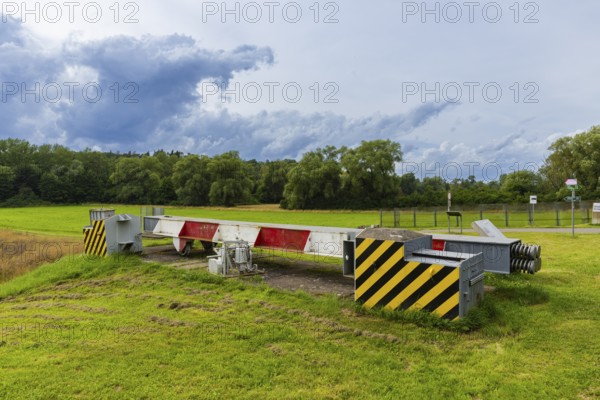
x=449 y=196
x=532 y=199
x=596 y=207
x=571 y=182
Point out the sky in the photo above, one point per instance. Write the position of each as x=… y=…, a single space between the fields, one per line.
x=466 y=88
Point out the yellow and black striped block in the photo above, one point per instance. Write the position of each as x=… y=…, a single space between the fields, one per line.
x=95 y=239
x=384 y=278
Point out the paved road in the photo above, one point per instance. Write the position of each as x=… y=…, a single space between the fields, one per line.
x=553 y=230
x=544 y=230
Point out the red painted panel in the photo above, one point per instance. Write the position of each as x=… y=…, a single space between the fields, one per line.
x=438 y=245
x=285 y=239
x=199 y=230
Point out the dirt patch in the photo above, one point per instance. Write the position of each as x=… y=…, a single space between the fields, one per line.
x=169 y=322
x=280 y=273
x=313 y=278
x=168 y=255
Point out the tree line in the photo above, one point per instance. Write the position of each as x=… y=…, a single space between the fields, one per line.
x=356 y=178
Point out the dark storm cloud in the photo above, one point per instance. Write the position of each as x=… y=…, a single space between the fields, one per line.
x=159 y=74
x=144 y=82
x=149 y=99
x=291 y=133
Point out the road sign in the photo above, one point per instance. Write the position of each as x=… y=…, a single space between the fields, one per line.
x=596 y=207
x=571 y=182
x=533 y=202
x=532 y=199
x=573 y=198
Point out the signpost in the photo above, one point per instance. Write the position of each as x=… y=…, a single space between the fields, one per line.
x=533 y=202
x=449 y=201
x=572 y=185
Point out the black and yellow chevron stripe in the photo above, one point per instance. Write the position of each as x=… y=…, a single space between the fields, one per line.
x=383 y=278
x=95 y=239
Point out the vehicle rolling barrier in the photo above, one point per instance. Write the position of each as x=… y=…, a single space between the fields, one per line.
x=398 y=270
x=314 y=240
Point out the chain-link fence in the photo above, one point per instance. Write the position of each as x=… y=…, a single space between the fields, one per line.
x=151 y=211
x=502 y=215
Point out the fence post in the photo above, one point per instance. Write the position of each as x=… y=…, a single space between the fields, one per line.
x=435 y=217
x=557 y=214
x=587 y=218
x=480 y=211
x=585 y=215
x=381 y=217
x=415 y=217
x=506 y=215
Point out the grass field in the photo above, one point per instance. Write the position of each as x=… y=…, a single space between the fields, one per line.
x=120 y=327
x=57 y=220
x=69 y=220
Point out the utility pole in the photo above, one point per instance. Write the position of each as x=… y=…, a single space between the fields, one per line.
x=573 y=212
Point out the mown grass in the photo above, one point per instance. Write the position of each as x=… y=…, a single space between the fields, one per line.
x=56 y=220
x=69 y=220
x=123 y=328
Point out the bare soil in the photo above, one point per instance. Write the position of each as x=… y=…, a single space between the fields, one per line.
x=281 y=273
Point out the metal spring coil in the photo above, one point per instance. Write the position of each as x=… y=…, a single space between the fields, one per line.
x=525 y=258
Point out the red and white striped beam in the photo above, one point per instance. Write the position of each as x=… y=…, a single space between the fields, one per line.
x=318 y=240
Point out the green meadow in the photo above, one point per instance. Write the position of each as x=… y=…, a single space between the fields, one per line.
x=69 y=220
x=122 y=327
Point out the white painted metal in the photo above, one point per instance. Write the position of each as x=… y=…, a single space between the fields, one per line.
x=486 y=228
x=234 y=232
x=326 y=243
x=180 y=244
x=164 y=218
x=323 y=241
x=168 y=227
